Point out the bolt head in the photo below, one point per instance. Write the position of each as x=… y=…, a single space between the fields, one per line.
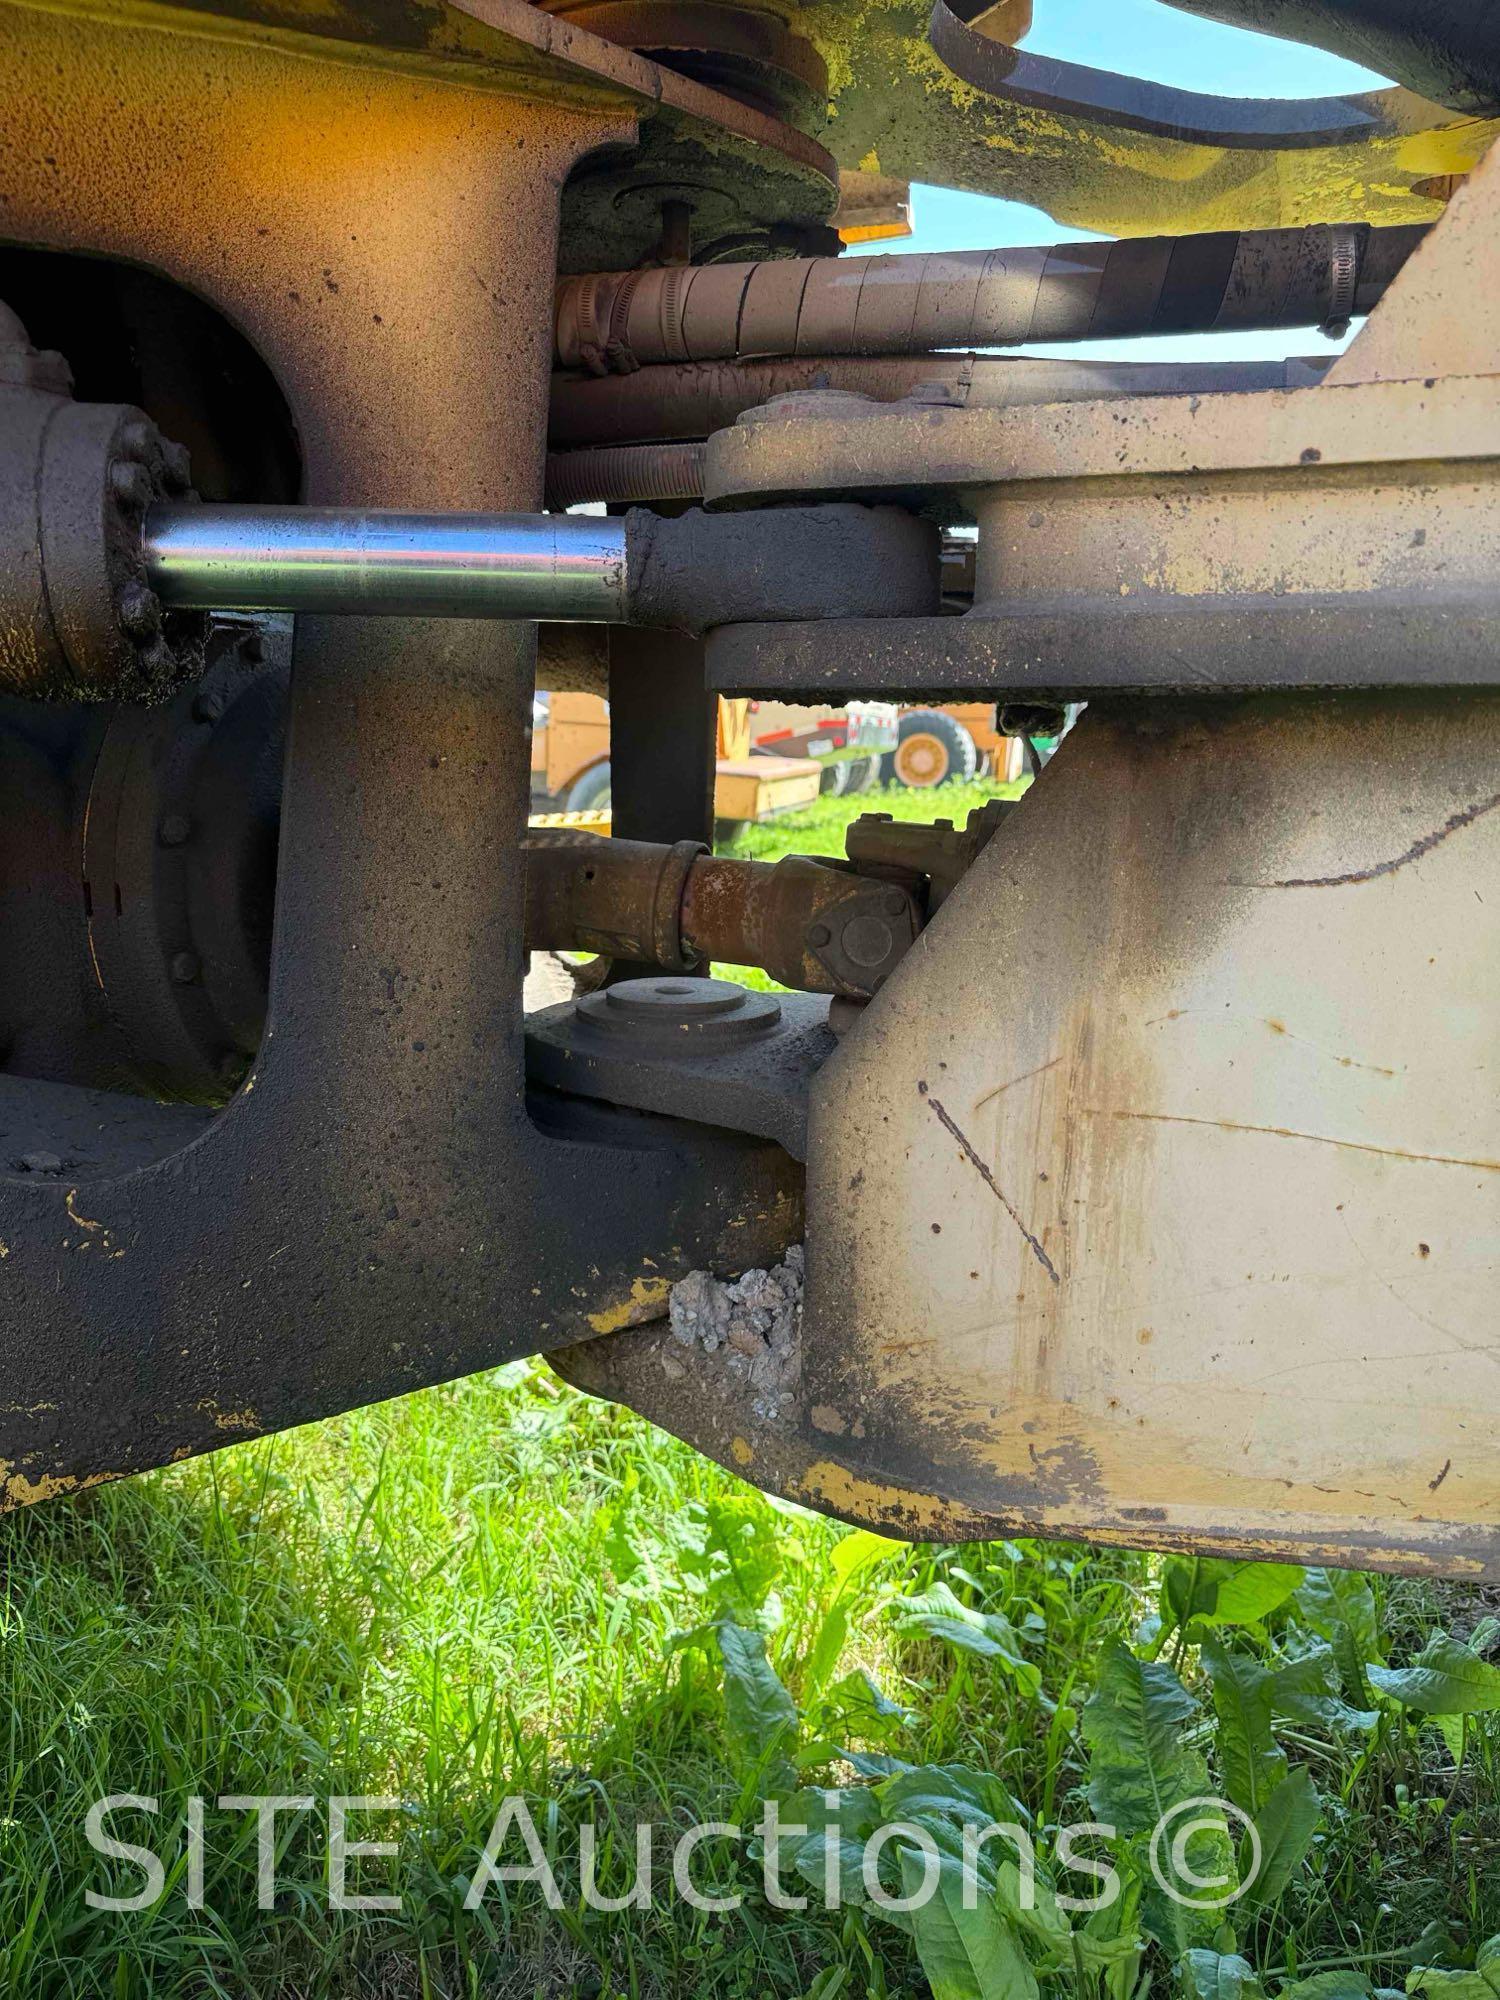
x=208 y=706
x=895 y=903
x=133 y=439
x=176 y=467
x=158 y=661
x=866 y=940
x=819 y=935
x=138 y=611
x=130 y=483
x=175 y=830
x=184 y=967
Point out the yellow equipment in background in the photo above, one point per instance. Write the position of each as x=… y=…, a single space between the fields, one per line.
x=570 y=765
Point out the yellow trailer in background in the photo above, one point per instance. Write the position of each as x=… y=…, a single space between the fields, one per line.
x=570 y=764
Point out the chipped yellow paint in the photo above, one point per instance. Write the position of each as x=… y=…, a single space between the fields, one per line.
x=230 y=1420
x=925 y=1516
x=828 y=1484
x=16 y=1490
x=647 y=1298
x=741 y=1450
x=83 y=1221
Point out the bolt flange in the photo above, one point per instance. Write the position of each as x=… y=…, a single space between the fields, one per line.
x=698 y=1012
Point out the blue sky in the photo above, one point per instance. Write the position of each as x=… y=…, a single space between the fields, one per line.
x=1146 y=38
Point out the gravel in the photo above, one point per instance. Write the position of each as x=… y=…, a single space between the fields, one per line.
x=754 y=1321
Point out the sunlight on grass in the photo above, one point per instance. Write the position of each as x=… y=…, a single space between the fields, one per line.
x=820 y=828
x=477 y=1591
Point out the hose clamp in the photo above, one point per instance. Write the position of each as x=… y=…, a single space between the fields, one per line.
x=1343 y=277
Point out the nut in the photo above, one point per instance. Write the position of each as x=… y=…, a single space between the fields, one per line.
x=131 y=485
x=138 y=610
x=158 y=661
x=176 y=467
x=133 y=439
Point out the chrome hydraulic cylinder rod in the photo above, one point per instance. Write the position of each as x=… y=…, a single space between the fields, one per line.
x=553 y=566
x=683 y=573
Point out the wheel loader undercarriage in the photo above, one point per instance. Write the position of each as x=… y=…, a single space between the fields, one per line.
x=1143 y=1134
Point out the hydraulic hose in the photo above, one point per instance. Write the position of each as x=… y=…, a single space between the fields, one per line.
x=1233 y=279
x=629 y=472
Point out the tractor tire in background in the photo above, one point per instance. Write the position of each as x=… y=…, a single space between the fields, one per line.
x=590 y=792
x=932 y=750
x=834 y=781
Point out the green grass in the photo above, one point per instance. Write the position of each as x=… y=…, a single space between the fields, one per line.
x=474 y=1592
x=820 y=829
x=483 y=1590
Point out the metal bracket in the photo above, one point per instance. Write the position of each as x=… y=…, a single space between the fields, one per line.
x=703 y=1049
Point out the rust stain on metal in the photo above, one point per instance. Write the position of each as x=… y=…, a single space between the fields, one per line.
x=1455 y=823
x=1344 y=1062
x=936 y=1106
